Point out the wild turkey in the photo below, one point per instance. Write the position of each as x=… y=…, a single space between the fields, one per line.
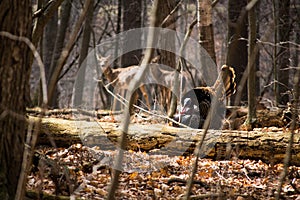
x=197 y=102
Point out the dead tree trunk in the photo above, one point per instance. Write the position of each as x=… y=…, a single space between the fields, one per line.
x=268 y=146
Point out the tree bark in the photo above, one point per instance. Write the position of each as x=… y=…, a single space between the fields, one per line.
x=206 y=33
x=283 y=56
x=251 y=68
x=132 y=18
x=15 y=18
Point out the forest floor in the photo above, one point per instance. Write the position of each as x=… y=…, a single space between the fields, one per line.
x=83 y=172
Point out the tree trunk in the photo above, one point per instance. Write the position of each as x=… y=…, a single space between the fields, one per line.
x=167 y=58
x=251 y=67
x=206 y=33
x=132 y=19
x=283 y=55
x=15 y=18
x=237 y=56
x=59 y=43
x=167 y=41
x=79 y=84
x=48 y=46
x=50 y=32
x=118 y=30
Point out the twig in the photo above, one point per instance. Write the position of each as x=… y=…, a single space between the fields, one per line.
x=41 y=11
x=214 y=3
x=125 y=102
x=209 y=195
x=69 y=67
x=280 y=44
x=163 y=24
x=180 y=180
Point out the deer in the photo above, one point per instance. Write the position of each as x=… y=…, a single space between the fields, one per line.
x=160 y=75
x=121 y=78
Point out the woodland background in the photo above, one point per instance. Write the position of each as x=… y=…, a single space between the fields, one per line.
x=43 y=43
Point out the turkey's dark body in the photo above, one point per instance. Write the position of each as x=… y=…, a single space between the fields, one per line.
x=201 y=98
x=197 y=102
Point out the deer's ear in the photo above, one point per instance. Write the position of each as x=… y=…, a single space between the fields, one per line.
x=104 y=61
x=107 y=58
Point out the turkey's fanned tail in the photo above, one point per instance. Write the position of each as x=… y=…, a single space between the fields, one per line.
x=227 y=75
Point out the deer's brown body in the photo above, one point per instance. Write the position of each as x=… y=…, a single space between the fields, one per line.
x=158 y=75
x=121 y=78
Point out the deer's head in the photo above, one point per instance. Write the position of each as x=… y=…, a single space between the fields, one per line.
x=104 y=63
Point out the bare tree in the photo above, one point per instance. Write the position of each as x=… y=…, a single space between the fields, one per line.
x=132 y=18
x=251 y=67
x=66 y=51
x=59 y=42
x=237 y=45
x=166 y=19
x=83 y=53
x=42 y=17
x=206 y=33
x=48 y=45
x=15 y=19
x=283 y=53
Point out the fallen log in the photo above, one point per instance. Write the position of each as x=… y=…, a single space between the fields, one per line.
x=268 y=145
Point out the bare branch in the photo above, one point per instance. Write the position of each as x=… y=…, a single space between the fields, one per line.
x=42 y=10
x=197 y=151
x=280 y=44
x=179 y=67
x=125 y=102
x=245 y=75
x=164 y=22
x=251 y=4
x=214 y=3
